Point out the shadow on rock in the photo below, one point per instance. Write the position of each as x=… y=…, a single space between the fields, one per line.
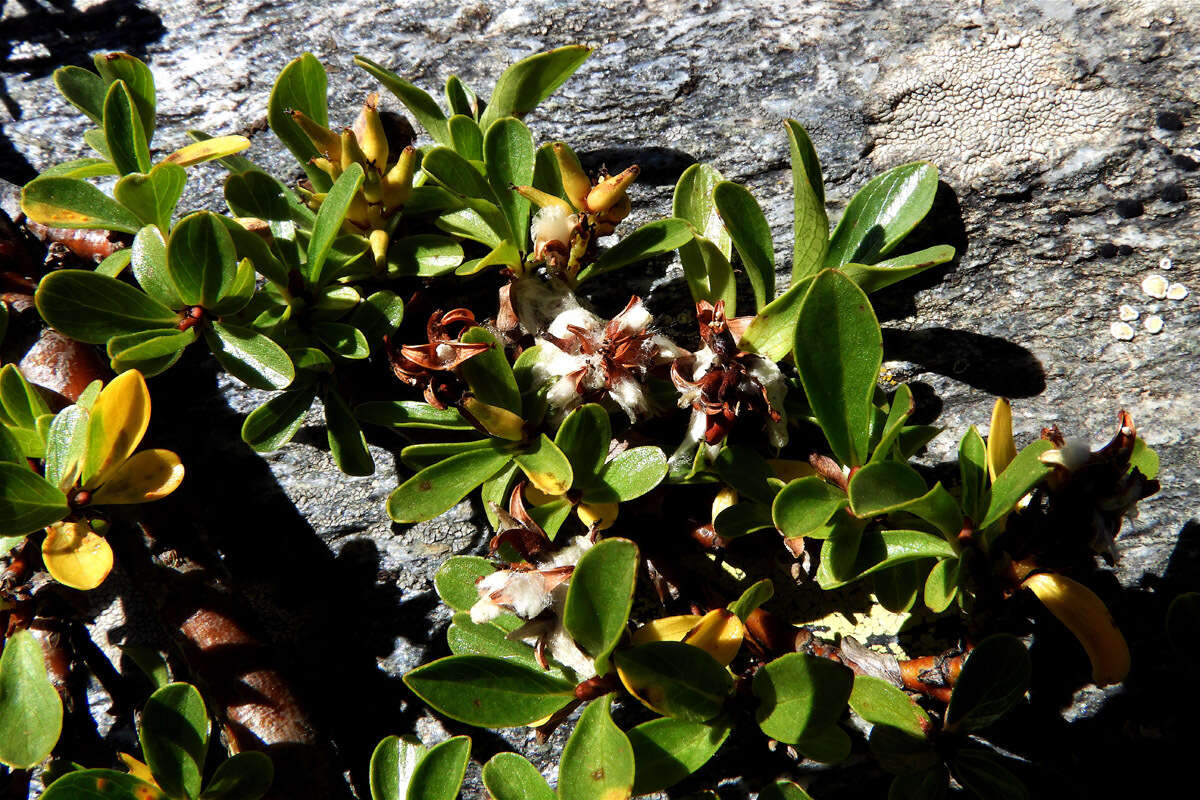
x=660 y=166
x=993 y=365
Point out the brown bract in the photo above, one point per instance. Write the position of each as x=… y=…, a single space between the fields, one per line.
x=429 y=366
x=622 y=352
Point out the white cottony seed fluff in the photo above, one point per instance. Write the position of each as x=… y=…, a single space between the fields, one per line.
x=1153 y=323
x=1155 y=286
x=1122 y=331
x=1127 y=312
x=1176 y=291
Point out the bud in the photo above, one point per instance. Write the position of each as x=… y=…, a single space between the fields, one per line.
x=397 y=183
x=379 y=247
x=575 y=181
x=368 y=130
x=351 y=152
x=609 y=191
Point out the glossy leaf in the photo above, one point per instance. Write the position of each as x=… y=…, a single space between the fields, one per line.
x=828 y=745
x=347 y=444
x=461 y=99
x=201 y=259
x=470 y=224
x=489 y=692
x=439 y=774
x=174 y=737
x=665 y=750
x=424 y=255
x=708 y=273
x=880 y=703
x=800 y=694
x=751 y=235
x=75 y=203
x=810 y=225
x=584 y=437
x=530 y=81
x=118 y=422
x=101 y=784
x=243 y=776
x=600 y=597
x=1017 y=480
x=93 y=308
x=718 y=633
x=276 y=421
x=751 y=599
x=883 y=487
x=545 y=466
x=873 y=277
x=972 y=468
x=467 y=638
x=392 y=765
x=212 y=149
x=152 y=196
x=83 y=89
x=123 y=131
x=149 y=352
x=30 y=709
x=804 y=505
x=456 y=174
x=342 y=339
x=941 y=585
x=879 y=550
x=440 y=486
x=147 y=475
x=149 y=262
x=329 y=221
x=423 y=107
x=899 y=411
x=675 y=679
x=836 y=318
x=882 y=213
x=693 y=202
x=139 y=80
x=455 y=580
x=628 y=476
x=411 y=414
x=994 y=679
x=250 y=357
x=65 y=447
x=772 y=332
x=27 y=501
x=489 y=374
x=741 y=519
x=80 y=168
x=1001 y=449
x=783 y=790
x=508 y=776
x=597 y=762
x=21 y=403
x=651 y=239
x=508 y=154
x=301 y=86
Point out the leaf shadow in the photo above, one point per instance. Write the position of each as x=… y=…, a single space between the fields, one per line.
x=996 y=366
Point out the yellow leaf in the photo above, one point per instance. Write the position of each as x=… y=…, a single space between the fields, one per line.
x=718 y=633
x=602 y=515
x=499 y=422
x=1001 y=449
x=218 y=147
x=548 y=482
x=118 y=422
x=76 y=556
x=667 y=629
x=788 y=470
x=1078 y=607
x=537 y=496
x=145 y=476
x=136 y=768
x=724 y=499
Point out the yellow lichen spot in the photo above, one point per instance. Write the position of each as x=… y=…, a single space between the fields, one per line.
x=76 y=556
x=148 y=475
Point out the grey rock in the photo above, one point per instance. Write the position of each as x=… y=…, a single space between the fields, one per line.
x=1050 y=121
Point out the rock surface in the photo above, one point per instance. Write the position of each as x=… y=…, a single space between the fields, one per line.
x=1068 y=141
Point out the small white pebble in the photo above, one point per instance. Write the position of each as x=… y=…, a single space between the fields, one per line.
x=1128 y=313
x=1155 y=286
x=1121 y=330
x=1153 y=323
x=1164 y=263
x=1176 y=291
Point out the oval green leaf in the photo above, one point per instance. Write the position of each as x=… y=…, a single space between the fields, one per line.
x=174 y=737
x=508 y=776
x=665 y=750
x=597 y=762
x=489 y=692
x=440 y=486
x=675 y=679
x=30 y=709
x=799 y=695
x=600 y=597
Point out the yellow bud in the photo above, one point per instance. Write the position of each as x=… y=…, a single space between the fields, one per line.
x=1078 y=607
x=325 y=140
x=372 y=186
x=575 y=181
x=718 y=633
x=1001 y=449
x=609 y=191
x=379 y=247
x=331 y=168
x=397 y=183
x=542 y=199
x=368 y=130
x=359 y=212
x=351 y=152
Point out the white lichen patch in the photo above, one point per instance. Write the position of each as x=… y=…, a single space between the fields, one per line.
x=1127 y=312
x=1122 y=331
x=1153 y=323
x=1176 y=291
x=1155 y=286
x=979 y=106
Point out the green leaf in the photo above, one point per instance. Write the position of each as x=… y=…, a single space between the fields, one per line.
x=879 y=550
x=101 y=784
x=883 y=487
x=1018 y=479
x=584 y=438
x=941 y=585
x=27 y=501
x=424 y=255
x=123 y=131
x=747 y=472
x=981 y=774
x=237 y=294
x=11 y=451
x=440 y=486
x=83 y=89
x=675 y=679
x=301 y=86
x=783 y=790
x=152 y=196
x=741 y=519
x=872 y=278
x=30 y=710
x=392 y=765
x=828 y=745
x=901 y=752
x=455 y=580
x=20 y=400
x=597 y=762
x=489 y=692
x=508 y=154
x=972 y=468
x=149 y=261
x=378 y=316
x=466 y=137
x=810 y=225
x=545 y=466
x=174 y=737
x=145 y=347
x=628 y=476
x=138 y=79
x=757 y=594
x=341 y=339
x=411 y=414
x=800 y=694
x=467 y=638
x=665 y=750
x=276 y=421
x=939 y=508
x=423 y=107
x=329 y=221
x=882 y=213
x=880 y=703
x=201 y=259
x=250 y=357
x=651 y=239
x=708 y=273
x=530 y=81
x=457 y=174
x=461 y=99
x=93 y=308
x=930 y=784
x=439 y=774
x=838 y=351
x=899 y=411
x=243 y=776
x=470 y=224
x=994 y=678
x=751 y=235
x=420 y=456
x=347 y=445
x=508 y=776
x=804 y=505
x=75 y=203
x=489 y=374
x=772 y=332
x=693 y=202
x=1143 y=456
x=600 y=596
